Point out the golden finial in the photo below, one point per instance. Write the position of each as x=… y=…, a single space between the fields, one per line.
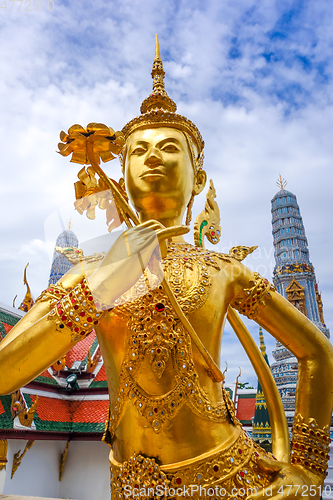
x=157 y=48
x=28 y=301
x=69 y=226
x=281 y=183
x=262 y=343
x=158 y=99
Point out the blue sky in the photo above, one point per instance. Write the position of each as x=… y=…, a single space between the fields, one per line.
x=255 y=76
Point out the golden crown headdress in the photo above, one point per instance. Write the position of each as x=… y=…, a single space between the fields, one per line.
x=158 y=109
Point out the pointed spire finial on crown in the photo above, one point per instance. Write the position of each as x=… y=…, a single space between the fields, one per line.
x=262 y=342
x=157 y=48
x=159 y=110
x=281 y=183
x=158 y=99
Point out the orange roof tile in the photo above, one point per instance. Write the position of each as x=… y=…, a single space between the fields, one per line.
x=80 y=350
x=53 y=409
x=59 y=410
x=2 y=410
x=245 y=408
x=101 y=375
x=46 y=374
x=7 y=327
x=89 y=411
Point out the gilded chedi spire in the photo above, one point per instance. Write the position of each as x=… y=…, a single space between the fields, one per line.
x=262 y=343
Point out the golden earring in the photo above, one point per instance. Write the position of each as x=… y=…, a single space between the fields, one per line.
x=189 y=211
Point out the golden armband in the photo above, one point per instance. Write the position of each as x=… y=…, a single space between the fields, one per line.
x=249 y=300
x=53 y=294
x=77 y=311
x=310 y=446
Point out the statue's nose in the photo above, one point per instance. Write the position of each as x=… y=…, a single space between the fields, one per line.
x=153 y=158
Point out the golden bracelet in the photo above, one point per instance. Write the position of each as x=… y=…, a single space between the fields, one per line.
x=310 y=446
x=53 y=293
x=77 y=311
x=249 y=300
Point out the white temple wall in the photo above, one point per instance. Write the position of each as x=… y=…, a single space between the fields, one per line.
x=86 y=473
x=38 y=474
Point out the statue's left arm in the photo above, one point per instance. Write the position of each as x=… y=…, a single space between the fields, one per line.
x=257 y=299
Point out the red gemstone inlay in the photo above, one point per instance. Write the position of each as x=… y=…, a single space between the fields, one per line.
x=178 y=480
x=240 y=451
x=159 y=307
x=90 y=297
x=76 y=307
x=76 y=329
x=155 y=410
x=242 y=473
x=82 y=333
x=89 y=319
x=60 y=311
x=216 y=468
x=69 y=324
x=158 y=351
x=212 y=233
x=64 y=318
x=82 y=313
x=95 y=322
x=73 y=301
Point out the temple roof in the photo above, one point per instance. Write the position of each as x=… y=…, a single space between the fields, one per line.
x=60 y=411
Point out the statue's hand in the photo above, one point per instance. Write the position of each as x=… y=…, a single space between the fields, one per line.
x=290 y=482
x=128 y=257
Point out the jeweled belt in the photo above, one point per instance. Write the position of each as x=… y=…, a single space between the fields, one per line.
x=228 y=467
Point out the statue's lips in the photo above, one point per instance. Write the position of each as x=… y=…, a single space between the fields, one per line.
x=152 y=173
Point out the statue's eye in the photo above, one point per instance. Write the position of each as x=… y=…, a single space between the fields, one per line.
x=170 y=148
x=138 y=151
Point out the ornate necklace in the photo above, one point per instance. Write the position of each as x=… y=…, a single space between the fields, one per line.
x=156 y=334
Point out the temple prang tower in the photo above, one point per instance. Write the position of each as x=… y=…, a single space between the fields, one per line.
x=60 y=264
x=294 y=278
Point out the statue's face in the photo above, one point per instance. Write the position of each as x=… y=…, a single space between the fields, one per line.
x=159 y=174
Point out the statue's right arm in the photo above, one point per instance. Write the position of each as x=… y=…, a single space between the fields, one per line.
x=34 y=343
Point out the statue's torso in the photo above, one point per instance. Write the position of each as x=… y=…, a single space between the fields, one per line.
x=161 y=397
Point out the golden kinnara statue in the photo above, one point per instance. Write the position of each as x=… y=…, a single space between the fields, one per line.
x=171 y=427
